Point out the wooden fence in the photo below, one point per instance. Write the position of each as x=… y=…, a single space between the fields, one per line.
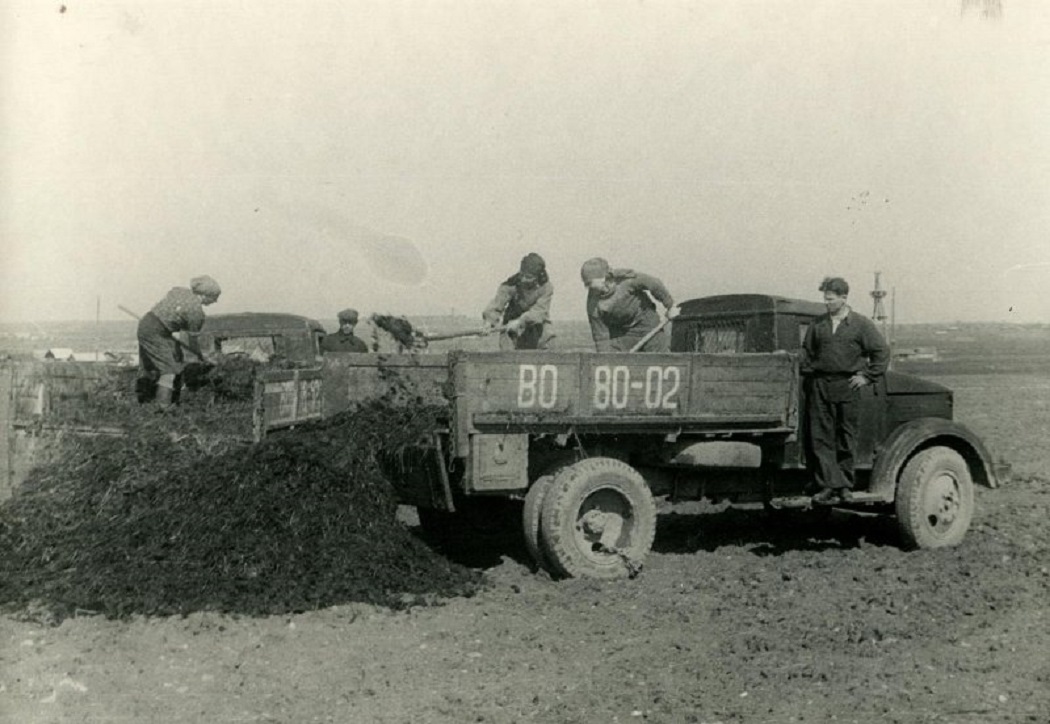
x=42 y=401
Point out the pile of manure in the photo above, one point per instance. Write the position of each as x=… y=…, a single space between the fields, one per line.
x=160 y=522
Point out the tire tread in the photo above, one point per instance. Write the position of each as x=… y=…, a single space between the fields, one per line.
x=910 y=515
x=557 y=505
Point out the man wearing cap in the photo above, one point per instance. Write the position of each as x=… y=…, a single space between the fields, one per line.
x=522 y=307
x=620 y=307
x=842 y=354
x=344 y=340
x=160 y=353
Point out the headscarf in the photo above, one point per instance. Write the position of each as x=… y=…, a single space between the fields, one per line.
x=533 y=265
x=205 y=286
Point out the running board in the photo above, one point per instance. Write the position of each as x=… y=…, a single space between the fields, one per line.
x=797 y=502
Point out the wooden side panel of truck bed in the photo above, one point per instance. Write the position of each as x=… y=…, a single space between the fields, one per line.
x=490 y=392
x=288 y=397
x=622 y=393
x=352 y=378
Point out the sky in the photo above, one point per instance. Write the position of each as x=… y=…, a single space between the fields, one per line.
x=401 y=156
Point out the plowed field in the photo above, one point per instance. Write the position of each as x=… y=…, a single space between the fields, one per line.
x=736 y=618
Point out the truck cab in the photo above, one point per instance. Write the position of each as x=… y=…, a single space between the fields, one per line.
x=897 y=406
x=262 y=336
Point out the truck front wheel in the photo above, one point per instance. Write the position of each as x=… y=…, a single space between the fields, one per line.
x=934 y=499
x=598 y=520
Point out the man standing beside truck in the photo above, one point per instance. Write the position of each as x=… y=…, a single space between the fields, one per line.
x=344 y=340
x=621 y=310
x=160 y=353
x=842 y=353
x=522 y=306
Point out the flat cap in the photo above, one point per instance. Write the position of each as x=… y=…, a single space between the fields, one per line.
x=596 y=268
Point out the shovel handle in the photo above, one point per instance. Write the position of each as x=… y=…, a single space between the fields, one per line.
x=457 y=335
x=649 y=335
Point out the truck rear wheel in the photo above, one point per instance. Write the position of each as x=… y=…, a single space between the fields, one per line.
x=934 y=499
x=598 y=520
x=530 y=518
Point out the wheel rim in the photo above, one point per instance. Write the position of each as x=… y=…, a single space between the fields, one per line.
x=604 y=526
x=942 y=502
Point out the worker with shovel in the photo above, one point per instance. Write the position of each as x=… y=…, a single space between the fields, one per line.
x=522 y=306
x=621 y=310
x=160 y=352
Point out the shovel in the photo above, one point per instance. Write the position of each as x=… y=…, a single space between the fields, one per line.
x=411 y=338
x=649 y=335
x=456 y=335
x=178 y=341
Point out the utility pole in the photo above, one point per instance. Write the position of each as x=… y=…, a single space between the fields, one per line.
x=893 y=316
x=879 y=312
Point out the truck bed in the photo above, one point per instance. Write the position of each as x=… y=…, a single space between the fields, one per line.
x=548 y=392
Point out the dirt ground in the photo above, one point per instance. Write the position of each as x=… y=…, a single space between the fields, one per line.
x=736 y=618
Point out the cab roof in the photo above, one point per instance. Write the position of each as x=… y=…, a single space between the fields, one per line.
x=244 y=322
x=750 y=304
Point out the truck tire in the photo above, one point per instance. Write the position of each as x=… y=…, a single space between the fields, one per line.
x=934 y=499
x=530 y=518
x=598 y=520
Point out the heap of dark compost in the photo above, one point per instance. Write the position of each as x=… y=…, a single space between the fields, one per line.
x=232 y=377
x=407 y=336
x=159 y=522
x=216 y=398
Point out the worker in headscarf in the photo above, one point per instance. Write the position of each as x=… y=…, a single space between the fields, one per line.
x=620 y=307
x=344 y=340
x=522 y=306
x=160 y=353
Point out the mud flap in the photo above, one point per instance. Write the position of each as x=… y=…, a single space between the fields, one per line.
x=419 y=474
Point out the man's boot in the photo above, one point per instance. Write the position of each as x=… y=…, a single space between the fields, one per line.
x=164 y=397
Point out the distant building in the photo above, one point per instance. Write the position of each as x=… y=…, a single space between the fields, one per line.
x=124 y=359
x=63 y=354
x=67 y=354
x=916 y=354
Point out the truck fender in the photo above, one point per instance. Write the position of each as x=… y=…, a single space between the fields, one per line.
x=922 y=433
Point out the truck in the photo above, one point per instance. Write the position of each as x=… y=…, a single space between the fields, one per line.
x=572 y=447
x=261 y=336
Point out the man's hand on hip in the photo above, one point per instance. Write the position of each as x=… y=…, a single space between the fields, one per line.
x=857 y=381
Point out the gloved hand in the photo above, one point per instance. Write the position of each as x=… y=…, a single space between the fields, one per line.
x=514 y=327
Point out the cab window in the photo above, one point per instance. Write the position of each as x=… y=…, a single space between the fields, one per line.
x=260 y=348
x=719 y=338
